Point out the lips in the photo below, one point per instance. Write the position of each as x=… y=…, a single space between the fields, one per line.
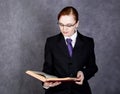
x=65 y=32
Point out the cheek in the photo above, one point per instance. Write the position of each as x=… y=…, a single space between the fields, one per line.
x=60 y=28
x=72 y=30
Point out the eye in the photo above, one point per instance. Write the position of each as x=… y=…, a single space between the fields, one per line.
x=61 y=24
x=69 y=25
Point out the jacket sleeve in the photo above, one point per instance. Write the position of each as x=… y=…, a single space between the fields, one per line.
x=91 y=67
x=47 y=66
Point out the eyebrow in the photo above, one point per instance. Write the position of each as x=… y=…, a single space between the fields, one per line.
x=67 y=23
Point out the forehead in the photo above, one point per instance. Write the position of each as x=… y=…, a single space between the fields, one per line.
x=65 y=19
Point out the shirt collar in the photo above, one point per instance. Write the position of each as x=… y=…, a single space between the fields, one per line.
x=73 y=37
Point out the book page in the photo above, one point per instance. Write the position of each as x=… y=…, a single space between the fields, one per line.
x=46 y=77
x=45 y=74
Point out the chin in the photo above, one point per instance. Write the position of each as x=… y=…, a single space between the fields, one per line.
x=66 y=35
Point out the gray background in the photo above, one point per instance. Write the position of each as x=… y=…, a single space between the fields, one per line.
x=25 y=25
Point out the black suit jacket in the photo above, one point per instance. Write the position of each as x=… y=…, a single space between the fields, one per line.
x=59 y=63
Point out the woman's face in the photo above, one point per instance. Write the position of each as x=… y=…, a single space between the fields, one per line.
x=67 y=25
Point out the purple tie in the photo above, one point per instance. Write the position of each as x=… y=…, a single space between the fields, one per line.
x=69 y=44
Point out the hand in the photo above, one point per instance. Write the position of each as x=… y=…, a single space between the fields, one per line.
x=80 y=78
x=51 y=84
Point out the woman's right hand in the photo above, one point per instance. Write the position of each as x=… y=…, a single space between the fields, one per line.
x=51 y=84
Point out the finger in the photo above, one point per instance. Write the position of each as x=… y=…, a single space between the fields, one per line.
x=79 y=83
x=57 y=83
x=54 y=84
x=79 y=75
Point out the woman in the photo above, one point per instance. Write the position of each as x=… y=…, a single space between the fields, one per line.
x=75 y=58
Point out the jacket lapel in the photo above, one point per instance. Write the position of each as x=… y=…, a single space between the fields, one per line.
x=78 y=44
x=63 y=47
x=62 y=44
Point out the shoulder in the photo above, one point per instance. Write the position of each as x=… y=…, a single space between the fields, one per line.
x=54 y=38
x=85 y=38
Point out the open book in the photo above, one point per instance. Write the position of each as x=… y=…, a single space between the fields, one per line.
x=46 y=77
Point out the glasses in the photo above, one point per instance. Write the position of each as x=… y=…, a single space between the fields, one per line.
x=67 y=25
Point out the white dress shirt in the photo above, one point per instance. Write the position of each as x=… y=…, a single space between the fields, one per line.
x=73 y=37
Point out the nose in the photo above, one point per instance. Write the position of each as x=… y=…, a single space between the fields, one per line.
x=64 y=28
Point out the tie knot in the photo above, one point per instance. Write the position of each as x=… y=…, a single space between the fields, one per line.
x=68 y=40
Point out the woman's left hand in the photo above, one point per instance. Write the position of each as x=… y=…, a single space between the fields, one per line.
x=80 y=78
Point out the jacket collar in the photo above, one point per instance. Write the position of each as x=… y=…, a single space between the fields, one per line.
x=62 y=44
